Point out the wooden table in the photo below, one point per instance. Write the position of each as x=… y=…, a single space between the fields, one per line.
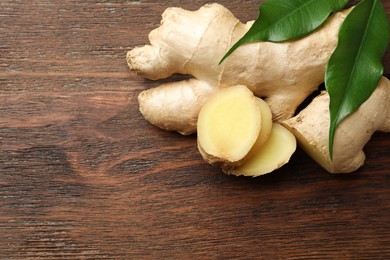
x=84 y=176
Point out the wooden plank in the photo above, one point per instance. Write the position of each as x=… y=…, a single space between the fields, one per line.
x=84 y=176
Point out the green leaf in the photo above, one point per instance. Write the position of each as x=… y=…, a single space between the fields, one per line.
x=282 y=20
x=355 y=68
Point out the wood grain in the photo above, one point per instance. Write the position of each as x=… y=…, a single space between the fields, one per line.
x=83 y=176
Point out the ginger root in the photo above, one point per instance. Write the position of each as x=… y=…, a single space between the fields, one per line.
x=193 y=42
x=282 y=74
x=311 y=127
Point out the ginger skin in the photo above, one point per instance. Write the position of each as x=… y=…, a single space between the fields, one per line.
x=193 y=42
x=311 y=128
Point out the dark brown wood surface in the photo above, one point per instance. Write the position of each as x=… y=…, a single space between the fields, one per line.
x=83 y=176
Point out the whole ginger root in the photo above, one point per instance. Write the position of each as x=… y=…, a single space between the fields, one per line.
x=282 y=74
x=193 y=43
x=311 y=128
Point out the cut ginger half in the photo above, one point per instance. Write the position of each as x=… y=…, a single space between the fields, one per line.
x=272 y=155
x=229 y=125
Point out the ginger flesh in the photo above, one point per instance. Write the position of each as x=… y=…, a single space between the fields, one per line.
x=273 y=154
x=193 y=42
x=229 y=125
x=311 y=127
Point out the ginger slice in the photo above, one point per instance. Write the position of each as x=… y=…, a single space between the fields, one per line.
x=228 y=126
x=266 y=127
x=272 y=155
